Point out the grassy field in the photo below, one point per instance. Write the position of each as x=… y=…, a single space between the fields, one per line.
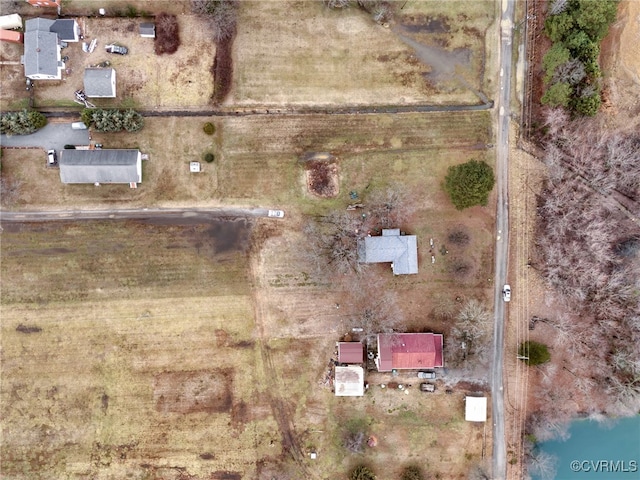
x=315 y=56
x=322 y=56
x=257 y=159
x=134 y=350
x=130 y=349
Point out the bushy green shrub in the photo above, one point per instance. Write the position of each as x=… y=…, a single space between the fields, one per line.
x=411 y=472
x=534 y=353
x=209 y=128
x=557 y=95
x=208 y=157
x=112 y=120
x=362 y=472
x=469 y=184
x=588 y=105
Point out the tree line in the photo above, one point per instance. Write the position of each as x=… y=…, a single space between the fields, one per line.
x=588 y=250
x=572 y=69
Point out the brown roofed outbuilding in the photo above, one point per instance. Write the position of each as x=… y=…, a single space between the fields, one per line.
x=350 y=352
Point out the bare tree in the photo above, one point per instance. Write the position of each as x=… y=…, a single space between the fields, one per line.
x=543 y=464
x=469 y=336
x=558 y=6
x=337 y=3
x=337 y=236
x=223 y=16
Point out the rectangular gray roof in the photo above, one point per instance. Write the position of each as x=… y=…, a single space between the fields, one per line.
x=65 y=28
x=100 y=82
x=42 y=24
x=100 y=166
x=148 y=29
x=40 y=53
x=400 y=250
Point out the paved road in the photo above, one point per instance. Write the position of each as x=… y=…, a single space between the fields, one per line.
x=252 y=111
x=502 y=237
x=170 y=215
x=52 y=136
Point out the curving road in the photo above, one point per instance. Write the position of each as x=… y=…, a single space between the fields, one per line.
x=502 y=237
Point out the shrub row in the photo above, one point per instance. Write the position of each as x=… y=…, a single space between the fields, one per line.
x=21 y=123
x=112 y=120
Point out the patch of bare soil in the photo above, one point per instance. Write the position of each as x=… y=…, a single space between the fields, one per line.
x=223 y=69
x=322 y=178
x=191 y=392
x=620 y=59
x=167 y=34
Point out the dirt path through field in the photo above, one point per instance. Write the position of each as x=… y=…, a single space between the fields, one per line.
x=282 y=411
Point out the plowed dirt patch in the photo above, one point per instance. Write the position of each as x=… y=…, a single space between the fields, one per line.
x=191 y=392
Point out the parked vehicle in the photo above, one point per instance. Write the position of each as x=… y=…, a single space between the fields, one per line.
x=427 y=375
x=427 y=387
x=52 y=158
x=78 y=126
x=276 y=213
x=119 y=49
x=506 y=293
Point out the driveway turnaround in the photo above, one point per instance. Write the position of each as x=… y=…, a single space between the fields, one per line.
x=54 y=136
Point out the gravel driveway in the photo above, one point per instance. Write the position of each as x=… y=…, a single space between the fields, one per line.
x=53 y=136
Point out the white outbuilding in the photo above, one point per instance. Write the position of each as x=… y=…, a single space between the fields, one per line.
x=475 y=409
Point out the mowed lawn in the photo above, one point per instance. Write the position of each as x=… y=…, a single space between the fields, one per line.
x=257 y=159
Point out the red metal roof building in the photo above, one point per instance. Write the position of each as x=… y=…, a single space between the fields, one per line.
x=45 y=3
x=11 y=36
x=350 y=352
x=409 y=351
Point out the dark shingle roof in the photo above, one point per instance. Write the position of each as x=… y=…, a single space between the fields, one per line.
x=101 y=166
x=65 y=28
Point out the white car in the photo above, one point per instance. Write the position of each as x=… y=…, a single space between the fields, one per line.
x=427 y=375
x=52 y=158
x=506 y=293
x=276 y=214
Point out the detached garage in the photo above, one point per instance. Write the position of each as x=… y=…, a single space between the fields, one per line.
x=100 y=82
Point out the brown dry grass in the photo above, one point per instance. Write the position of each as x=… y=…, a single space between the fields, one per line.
x=337 y=57
x=167 y=34
x=144 y=80
x=135 y=301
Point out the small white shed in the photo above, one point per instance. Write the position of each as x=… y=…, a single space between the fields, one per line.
x=475 y=409
x=11 y=21
x=349 y=381
x=194 y=167
x=148 y=30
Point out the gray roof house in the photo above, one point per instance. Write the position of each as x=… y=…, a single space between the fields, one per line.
x=400 y=250
x=148 y=30
x=42 y=59
x=101 y=166
x=100 y=82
